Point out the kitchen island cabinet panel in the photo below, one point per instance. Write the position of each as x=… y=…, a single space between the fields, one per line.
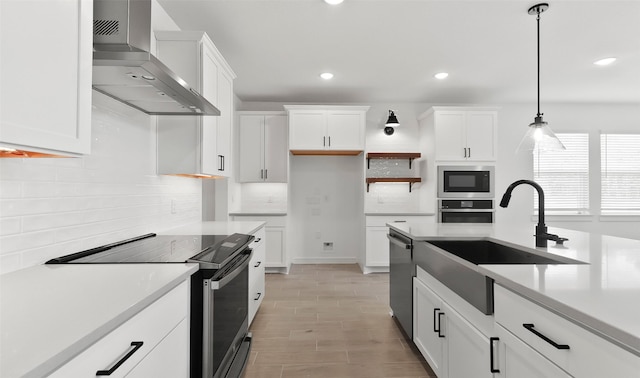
x=47 y=109
x=586 y=354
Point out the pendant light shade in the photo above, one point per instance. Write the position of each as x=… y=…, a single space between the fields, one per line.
x=391 y=123
x=539 y=135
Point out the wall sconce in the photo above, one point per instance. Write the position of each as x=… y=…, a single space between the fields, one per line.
x=391 y=124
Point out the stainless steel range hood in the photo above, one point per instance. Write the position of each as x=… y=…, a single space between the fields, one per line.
x=124 y=69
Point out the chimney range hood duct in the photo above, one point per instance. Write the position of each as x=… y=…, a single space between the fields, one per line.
x=124 y=69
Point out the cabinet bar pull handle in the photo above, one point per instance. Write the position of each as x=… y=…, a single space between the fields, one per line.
x=324 y=141
x=329 y=141
x=469 y=151
x=266 y=174
x=257 y=264
x=257 y=297
x=440 y=324
x=530 y=326
x=465 y=151
x=491 y=354
x=261 y=174
x=136 y=345
x=435 y=315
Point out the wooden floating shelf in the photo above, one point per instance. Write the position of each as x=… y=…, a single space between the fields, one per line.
x=410 y=180
x=326 y=152
x=393 y=155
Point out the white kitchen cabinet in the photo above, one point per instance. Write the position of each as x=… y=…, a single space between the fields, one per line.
x=578 y=351
x=46 y=104
x=319 y=129
x=521 y=361
x=196 y=145
x=445 y=333
x=263 y=147
x=161 y=332
x=462 y=134
x=376 y=257
x=277 y=259
x=256 y=272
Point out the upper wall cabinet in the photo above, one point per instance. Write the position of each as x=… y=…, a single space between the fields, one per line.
x=263 y=147
x=46 y=76
x=196 y=145
x=326 y=130
x=463 y=134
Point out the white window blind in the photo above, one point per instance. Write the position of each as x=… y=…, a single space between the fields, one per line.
x=620 y=175
x=564 y=175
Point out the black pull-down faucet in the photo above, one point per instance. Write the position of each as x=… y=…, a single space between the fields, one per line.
x=541 y=229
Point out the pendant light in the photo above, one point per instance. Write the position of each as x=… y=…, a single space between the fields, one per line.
x=391 y=124
x=539 y=136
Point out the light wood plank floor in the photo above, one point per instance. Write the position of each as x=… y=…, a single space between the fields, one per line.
x=329 y=321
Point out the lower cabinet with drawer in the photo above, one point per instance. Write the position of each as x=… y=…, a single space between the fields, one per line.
x=376 y=257
x=456 y=339
x=256 y=272
x=540 y=343
x=153 y=343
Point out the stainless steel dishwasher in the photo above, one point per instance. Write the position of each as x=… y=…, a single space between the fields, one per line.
x=401 y=273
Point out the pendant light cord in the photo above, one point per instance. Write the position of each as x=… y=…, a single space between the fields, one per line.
x=538 y=29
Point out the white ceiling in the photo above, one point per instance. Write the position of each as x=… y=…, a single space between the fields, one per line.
x=389 y=50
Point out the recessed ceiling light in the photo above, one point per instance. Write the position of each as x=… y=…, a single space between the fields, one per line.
x=604 y=62
x=333 y=2
x=441 y=75
x=326 y=75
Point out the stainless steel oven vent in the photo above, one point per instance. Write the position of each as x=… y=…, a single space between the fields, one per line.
x=106 y=27
x=125 y=69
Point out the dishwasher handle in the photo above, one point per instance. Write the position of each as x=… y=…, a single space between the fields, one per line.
x=398 y=242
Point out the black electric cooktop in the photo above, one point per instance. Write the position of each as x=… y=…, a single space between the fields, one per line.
x=211 y=251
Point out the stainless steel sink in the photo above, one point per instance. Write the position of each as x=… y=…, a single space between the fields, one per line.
x=453 y=262
x=488 y=252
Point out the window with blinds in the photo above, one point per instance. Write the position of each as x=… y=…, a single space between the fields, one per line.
x=564 y=175
x=620 y=173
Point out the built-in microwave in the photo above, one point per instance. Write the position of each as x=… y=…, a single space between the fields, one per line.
x=461 y=181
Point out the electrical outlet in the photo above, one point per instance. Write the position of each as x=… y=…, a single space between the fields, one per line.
x=327 y=246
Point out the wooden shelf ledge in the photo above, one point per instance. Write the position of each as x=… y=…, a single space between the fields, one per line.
x=410 y=180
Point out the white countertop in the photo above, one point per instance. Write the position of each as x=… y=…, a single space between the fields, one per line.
x=51 y=313
x=603 y=295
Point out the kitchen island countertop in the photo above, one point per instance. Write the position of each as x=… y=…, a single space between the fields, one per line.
x=602 y=295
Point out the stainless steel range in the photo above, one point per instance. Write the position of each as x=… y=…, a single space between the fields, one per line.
x=220 y=341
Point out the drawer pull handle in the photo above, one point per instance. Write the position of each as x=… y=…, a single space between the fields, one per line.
x=257 y=240
x=136 y=345
x=435 y=322
x=257 y=297
x=257 y=264
x=530 y=326
x=440 y=324
x=491 y=354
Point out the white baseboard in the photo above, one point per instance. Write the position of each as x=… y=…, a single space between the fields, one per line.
x=374 y=269
x=324 y=260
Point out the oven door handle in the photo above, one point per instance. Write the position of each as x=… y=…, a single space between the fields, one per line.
x=398 y=242
x=222 y=281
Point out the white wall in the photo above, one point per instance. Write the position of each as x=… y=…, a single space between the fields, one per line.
x=53 y=207
x=325 y=197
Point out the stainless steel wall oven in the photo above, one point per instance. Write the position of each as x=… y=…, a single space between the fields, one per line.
x=465 y=211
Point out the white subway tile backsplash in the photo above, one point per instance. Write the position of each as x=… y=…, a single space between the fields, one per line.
x=53 y=207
